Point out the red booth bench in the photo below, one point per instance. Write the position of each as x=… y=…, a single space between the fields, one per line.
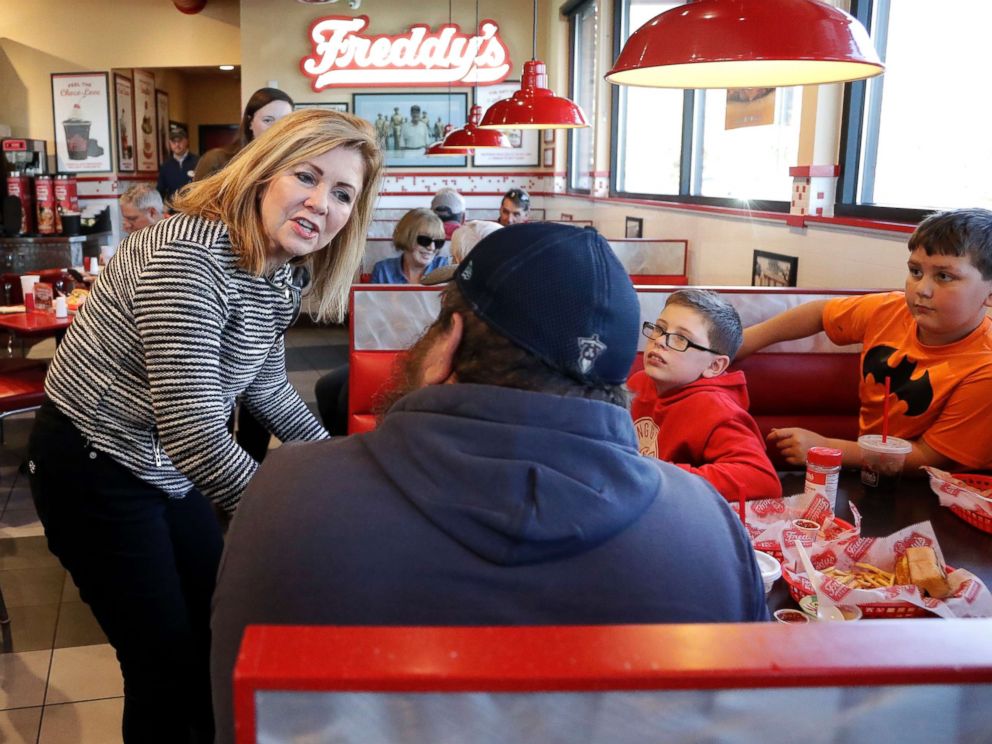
x=809 y=383
x=886 y=680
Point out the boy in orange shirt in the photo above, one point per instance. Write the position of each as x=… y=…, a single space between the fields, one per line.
x=933 y=341
x=689 y=410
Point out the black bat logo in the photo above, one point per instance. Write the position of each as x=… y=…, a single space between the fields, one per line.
x=918 y=393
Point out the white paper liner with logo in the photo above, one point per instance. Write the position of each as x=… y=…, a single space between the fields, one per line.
x=770 y=522
x=970 y=597
x=963 y=495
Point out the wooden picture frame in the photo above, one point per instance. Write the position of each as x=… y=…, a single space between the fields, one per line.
x=81 y=122
x=162 y=124
x=405 y=142
x=146 y=122
x=548 y=161
x=327 y=105
x=633 y=227
x=124 y=125
x=548 y=137
x=524 y=147
x=774 y=270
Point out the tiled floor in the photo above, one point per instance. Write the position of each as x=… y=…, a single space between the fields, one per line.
x=59 y=679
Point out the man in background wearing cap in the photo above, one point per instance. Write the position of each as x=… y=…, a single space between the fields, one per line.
x=449 y=205
x=177 y=171
x=515 y=207
x=503 y=485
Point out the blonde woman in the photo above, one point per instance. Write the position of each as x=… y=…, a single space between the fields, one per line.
x=419 y=235
x=131 y=447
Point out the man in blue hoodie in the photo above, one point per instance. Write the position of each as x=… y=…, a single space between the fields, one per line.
x=503 y=485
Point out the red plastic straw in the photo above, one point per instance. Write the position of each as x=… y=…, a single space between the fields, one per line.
x=885 y=410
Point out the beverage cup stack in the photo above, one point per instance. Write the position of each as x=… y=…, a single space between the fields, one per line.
x=27 y=289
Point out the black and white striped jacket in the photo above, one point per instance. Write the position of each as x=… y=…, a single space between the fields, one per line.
x=171 y=334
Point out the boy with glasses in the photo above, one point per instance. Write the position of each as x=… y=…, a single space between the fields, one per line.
x=689 y=410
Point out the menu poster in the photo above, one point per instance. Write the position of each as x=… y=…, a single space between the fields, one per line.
x=125 y=122
x=146 y=137
x=162 y=113
x=81 y=113
x=524 y=143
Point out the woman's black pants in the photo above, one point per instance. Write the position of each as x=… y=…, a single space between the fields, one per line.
x=145 y=564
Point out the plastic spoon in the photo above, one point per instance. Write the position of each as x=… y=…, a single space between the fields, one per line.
x=825 y=607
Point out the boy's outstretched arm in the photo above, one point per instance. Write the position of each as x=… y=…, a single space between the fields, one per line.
x=794 y=443
x=798 y=322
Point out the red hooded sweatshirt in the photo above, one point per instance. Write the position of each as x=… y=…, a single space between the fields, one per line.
x=704 y=427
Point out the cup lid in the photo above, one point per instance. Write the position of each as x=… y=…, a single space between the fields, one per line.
x=891 y=445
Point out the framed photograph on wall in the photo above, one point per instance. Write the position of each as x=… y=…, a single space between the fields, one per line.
x=162 y=123
x=329 y=105
x=524 y=143
x=145 y=120
x=81 y=115
x=633 y=227
x=548 y=137
x=408 y=122
x=124 y=111
x=774 y=270
x=549 y=157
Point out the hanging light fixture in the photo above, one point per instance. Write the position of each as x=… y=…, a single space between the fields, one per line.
x=747 y=44
x=534 y=106
x=441 y=148
x=471 y=135
x=475 y=138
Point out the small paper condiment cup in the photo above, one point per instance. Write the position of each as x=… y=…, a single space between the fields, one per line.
x=791 y=617
x=807 y=527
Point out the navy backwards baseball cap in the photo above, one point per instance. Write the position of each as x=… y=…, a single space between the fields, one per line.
x=560 y=293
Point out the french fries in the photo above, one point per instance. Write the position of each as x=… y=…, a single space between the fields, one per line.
x=862 y=576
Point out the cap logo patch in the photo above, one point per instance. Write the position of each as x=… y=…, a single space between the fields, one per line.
x=467 y=271
x=589 y=351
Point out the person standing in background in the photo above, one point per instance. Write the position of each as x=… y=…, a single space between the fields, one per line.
x=176 y=171
x=265 y=107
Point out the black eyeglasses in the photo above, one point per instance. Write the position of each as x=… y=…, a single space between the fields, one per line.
x=425 y=241
x=674 y=341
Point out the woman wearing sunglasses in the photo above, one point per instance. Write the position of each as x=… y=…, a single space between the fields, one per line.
x=419 y=235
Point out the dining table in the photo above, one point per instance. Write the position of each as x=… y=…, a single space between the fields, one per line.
x=884 y=512
x=33 y=324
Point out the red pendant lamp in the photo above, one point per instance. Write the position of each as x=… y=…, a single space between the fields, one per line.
x=534 y=106
x=471 y=135
x=747 y=44
x=440 y=147
x=475 y=138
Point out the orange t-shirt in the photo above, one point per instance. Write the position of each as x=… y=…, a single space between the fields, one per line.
x=942 y=394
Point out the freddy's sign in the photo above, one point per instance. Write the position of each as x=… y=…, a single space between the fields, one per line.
x=343 y=56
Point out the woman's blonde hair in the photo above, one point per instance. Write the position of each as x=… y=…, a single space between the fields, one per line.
x=234 y=197
x=413 y=223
